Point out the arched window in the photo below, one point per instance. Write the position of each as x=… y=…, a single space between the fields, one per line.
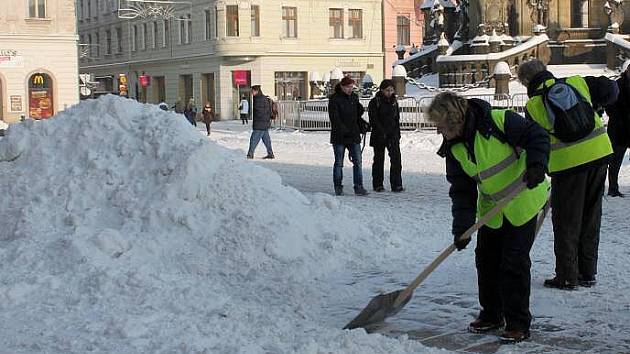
x=40 y=96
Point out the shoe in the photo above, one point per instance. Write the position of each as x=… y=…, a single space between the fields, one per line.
x=249 y=157
x=398 y=189
x=338 y=190
x=513 y=336
x=379 y=189
x=615 y=193
x=482 y=326
x=558 y=283
x=269 y=157
x=585 y=281
x=359 y=190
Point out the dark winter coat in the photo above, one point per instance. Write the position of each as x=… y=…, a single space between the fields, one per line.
x=191 y=114
x=261 y=112
x=519 y=132
x=343 y=111
x=603 y=93
x=384 y=116
x=208 y=116
x=619 y=114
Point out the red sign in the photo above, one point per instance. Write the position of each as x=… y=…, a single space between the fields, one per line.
x=145 y=80
x=40 y=103
x=240 y=77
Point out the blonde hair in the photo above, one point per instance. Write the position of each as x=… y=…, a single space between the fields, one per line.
x=449 y=108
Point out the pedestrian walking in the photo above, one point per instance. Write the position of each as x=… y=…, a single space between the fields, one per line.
x=344 y=112
x=190 y=112
x=261 y=122
x=243 y=108
x=179 y=106
x=619 y=129
x=567 y=109
x=208 y=116
x=385 y=123
x=489 y=152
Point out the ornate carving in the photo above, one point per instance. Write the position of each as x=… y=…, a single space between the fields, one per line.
x=539 y=12
x=464 y=20
x=615 y=13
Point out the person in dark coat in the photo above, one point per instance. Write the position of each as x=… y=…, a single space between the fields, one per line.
x=190 y=112
x=208 y=116
x=385 y=122
x=578 y=175
x=344 y=111
x=477 y=140
x=619 y=129
x=261 y=122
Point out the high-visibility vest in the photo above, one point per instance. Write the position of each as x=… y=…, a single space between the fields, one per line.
x=498 y=170
x=565 y=155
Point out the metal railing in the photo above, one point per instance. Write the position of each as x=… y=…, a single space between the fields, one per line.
x=313 y=114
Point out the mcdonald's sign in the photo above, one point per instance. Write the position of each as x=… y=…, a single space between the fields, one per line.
x=38 y=80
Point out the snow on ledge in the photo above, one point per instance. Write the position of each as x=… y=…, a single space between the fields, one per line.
x=619 y=39
x=423 y=51
x=532 y=42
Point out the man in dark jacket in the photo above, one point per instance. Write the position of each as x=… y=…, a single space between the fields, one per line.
x=489 y=153
x=578 y=174
x=385 y=122
x=619 y=129
x=344 y=111
x=261 y=118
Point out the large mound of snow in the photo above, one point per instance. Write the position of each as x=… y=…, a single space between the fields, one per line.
x=123 y=230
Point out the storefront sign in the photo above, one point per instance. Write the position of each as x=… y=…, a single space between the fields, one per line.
x=145 y=80
x=122 y=85
x=240 y=77
x=40 y=103
x=16 y=103
x=9 y=58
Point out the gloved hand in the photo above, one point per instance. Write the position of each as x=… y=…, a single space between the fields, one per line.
x=534 y=175
x=460 y=244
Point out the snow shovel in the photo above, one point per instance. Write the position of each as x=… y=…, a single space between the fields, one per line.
x=386 y=305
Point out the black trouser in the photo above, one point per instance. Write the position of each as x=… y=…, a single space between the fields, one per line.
x=208 y=126
x=503 y=273
x=613 y=167
x=244 y=118
x=576 y=204
x=395 y=170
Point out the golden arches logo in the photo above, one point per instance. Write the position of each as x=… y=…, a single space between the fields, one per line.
x=38 y=80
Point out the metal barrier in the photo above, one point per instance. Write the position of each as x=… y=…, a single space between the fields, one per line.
x=313 y=114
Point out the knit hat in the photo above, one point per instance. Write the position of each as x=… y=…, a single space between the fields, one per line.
x=625 y=65
x=346 y=81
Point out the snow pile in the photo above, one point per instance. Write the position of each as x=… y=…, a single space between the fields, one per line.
x=123 y=230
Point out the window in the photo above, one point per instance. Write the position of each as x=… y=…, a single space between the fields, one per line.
x=336 y=23
x=80 y=10
x=108 y=42
x=189 y=32
x=255 y=21
x=166 y=33
x=231 y=20
x=37 y=8
x=96 y=8
x=290 y=85
x=89 y=9
x=134 y=37
x=145 y=36
x=119 y=38
x=208 y=29
x=97 y=46
x=154 y=29
x=355 y=21
x=182 y=31
x=289 y=22
x=216 y=22
x=403 y=30
x=90 y=46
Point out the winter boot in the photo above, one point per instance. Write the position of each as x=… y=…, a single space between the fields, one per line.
x=586 y=281
x=482 y=326
x=249 y=157
x=359 y=190
x=398 y=189
x=559 y=283
x=338 y=190
x=269 y=157
x=379 y=189
x=615 y=193
x=513 y=336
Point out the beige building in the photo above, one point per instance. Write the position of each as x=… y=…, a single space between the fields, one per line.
x=214 y=51
x=38 y=58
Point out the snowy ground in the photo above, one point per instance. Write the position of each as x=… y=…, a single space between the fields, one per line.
x=416 y=224
x=125 y=230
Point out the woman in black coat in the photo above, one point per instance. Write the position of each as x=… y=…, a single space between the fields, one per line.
x=385 y=122
x=619 y=130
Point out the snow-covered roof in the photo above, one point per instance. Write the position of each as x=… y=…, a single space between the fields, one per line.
x=424 y=50
x=430 y=3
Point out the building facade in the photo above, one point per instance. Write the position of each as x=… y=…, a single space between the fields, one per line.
x=38 y=58
x=214 y=51
x=402 y=24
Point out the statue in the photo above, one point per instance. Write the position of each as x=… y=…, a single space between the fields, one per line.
x=540 y=11
x=464 y=20
x=615 y=13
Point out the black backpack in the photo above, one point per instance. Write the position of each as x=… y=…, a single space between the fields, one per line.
x=570 y=114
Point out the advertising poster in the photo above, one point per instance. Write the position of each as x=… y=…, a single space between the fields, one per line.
x=40 y=104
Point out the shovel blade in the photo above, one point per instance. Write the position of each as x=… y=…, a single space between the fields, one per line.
x=378 y=309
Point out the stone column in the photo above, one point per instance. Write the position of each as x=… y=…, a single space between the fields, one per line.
x=399 y=76
x=502 y=75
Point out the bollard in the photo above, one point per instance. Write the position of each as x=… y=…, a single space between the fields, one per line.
x=502 y=75
x=335 y=76
x=399 y=76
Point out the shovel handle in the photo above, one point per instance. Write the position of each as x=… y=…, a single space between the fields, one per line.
x=448 y=250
